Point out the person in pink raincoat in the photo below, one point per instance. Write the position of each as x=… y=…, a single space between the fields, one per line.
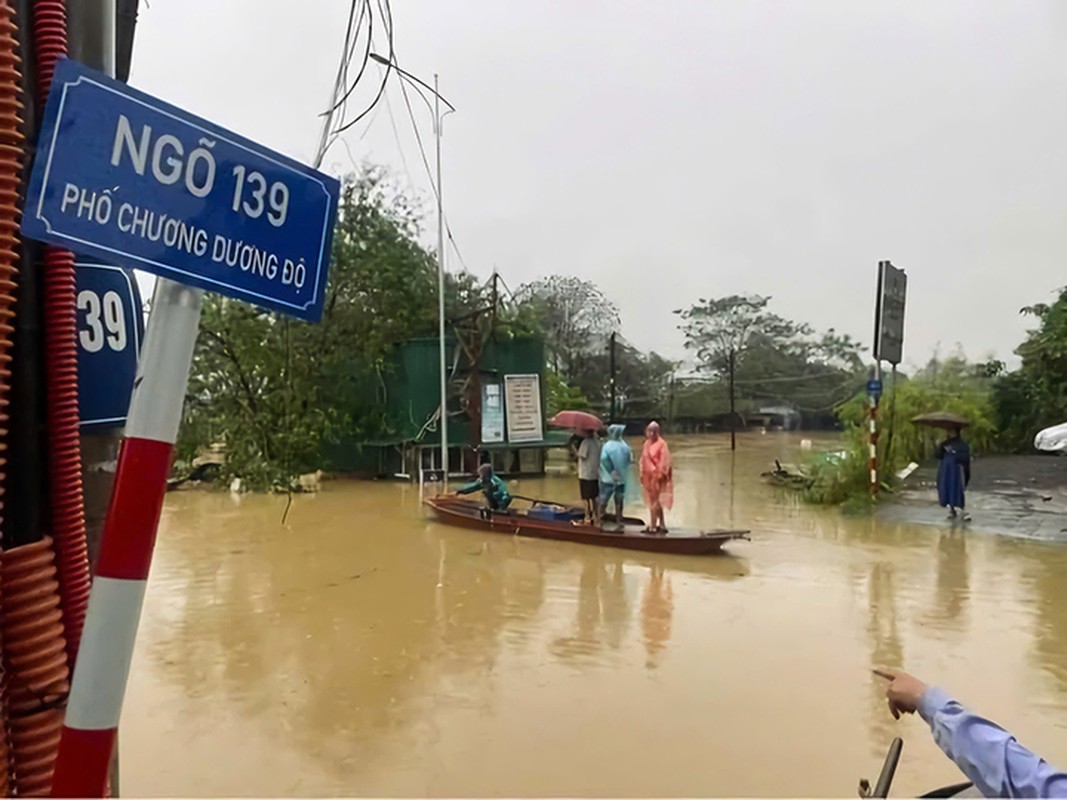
x=657 y=479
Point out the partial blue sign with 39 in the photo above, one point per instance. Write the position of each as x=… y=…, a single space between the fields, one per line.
x=110 y=331
x=134 y=181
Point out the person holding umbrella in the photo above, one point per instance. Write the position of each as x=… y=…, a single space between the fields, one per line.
x=588 y=458
x=953 y=473
x=589 y=476
x=954 y=457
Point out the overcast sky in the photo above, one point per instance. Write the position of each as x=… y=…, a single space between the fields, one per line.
x=670 y=150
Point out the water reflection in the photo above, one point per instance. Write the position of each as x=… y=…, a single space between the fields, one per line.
x=1050 y=589
x=602 y=612
x=952 y=582
x=657 y=610
x=887 y=648
x=363 y=649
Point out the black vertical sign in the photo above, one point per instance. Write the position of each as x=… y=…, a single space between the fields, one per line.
x=889 y=313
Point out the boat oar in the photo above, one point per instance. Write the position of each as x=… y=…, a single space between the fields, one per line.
x=536 y=501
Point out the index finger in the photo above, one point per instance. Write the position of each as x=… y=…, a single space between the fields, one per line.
x=885 y=673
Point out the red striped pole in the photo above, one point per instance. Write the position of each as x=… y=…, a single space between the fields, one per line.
x=873 y=461
x=129 y=537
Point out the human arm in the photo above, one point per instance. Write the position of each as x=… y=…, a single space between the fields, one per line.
x=986 y=753
x=607 y=463
x=469 y=488
x=584 y=450
x=964 y=458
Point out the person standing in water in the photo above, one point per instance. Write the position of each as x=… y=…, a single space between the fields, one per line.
x=953 y=473
x=589 y=476
x=657 y=478
x=615 y=460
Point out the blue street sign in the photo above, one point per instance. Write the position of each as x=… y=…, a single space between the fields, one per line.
x=874 y=388
x=110 y=332
x=133 y=181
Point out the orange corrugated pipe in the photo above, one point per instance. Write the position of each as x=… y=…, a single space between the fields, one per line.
x=10 y=167
x=61 y=372
x=35 y=663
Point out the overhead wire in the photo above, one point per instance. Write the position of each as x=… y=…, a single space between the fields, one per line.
x=387 y=24
x=351 y=36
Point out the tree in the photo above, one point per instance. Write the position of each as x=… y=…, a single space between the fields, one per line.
x=770 y=358
x=575 y=316
x=642 y=381
x=720 y=331
x=714 y=329
x=272 y=389
x=1035 y=396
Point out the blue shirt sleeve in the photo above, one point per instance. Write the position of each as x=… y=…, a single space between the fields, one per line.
x=987 y=754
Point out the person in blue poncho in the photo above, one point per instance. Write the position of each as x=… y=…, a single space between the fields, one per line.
x=615 y=460
x=953 y=473
x=495 y=490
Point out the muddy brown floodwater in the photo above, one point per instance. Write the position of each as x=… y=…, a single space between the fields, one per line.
x=361 y=649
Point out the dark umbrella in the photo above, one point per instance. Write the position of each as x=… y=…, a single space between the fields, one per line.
x=941 y=419
x=576 y=420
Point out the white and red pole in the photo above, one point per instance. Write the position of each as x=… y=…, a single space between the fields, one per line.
x=129 y=536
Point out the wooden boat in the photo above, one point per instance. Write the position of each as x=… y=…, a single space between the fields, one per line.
x=564 y=523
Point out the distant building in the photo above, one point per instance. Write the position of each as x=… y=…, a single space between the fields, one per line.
x=775 y=417
x=496 y=412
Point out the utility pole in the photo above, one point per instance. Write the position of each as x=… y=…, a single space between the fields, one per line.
x=733 y=409
x=92 y=39
x=496 y=302
x=438 y=117
x=670 y=404
x=873 y=431
x=441 y=290
x=611 y=366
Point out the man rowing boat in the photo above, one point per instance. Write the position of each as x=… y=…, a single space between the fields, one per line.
x=495 y=490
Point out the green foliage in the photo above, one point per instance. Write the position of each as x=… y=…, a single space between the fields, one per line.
x=719 y=328
x=700 y=399
x=841 y=476
x=953 y=385
x=271 y=389
x=642 y=382
x=574 y=315
x=1035 y=396
x=775 y=359
x=561 y=396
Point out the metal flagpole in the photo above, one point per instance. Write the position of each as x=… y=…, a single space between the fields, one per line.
x=441 y=291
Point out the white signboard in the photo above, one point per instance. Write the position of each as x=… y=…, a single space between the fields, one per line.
x=522 y=395
x=492 y=413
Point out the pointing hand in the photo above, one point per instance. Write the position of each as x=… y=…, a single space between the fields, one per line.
x=903 y=693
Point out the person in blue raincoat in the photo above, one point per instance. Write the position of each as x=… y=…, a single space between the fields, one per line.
x=953 y=473
x=495 y=490
x=615 y=460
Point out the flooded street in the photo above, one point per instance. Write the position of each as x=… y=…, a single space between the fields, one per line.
x=362 y=649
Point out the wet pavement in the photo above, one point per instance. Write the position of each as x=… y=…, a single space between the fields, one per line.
x=363 y=649
x=1016 y=496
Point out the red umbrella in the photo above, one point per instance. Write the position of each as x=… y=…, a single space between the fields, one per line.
x=576 y=420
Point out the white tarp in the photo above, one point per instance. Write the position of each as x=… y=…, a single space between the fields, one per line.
x=1052 y=440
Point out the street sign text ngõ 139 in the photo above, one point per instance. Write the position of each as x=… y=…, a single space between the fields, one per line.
x=131 y=180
